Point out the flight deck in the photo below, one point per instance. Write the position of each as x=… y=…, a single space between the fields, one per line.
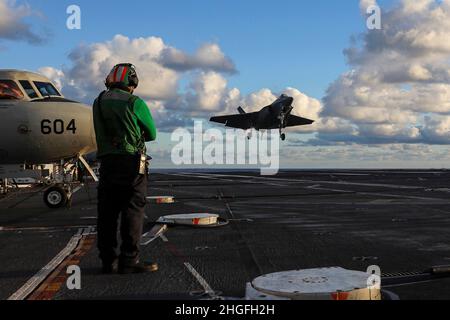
x=396 y=219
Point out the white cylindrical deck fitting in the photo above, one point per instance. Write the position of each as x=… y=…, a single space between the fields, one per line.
x=318 y=284
x=161 y=199
x=195 y=219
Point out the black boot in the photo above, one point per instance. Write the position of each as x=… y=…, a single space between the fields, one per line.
x=140 y=267
x=110 y=267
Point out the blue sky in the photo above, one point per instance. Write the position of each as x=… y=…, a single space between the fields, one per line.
x=364 y=119
x=274 y=44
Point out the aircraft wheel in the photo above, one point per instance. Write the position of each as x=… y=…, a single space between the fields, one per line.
x=283 y=137
x=55 y=197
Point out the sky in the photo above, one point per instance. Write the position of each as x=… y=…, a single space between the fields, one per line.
x=271 y=42
x=379 y=97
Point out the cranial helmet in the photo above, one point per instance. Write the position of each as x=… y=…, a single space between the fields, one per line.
x=122 y=75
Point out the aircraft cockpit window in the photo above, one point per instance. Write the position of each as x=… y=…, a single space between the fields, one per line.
x=29 y=89
x=46 y=89
x=9 y=90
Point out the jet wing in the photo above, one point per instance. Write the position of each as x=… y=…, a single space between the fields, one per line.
x=239 y=121
x=294 y=121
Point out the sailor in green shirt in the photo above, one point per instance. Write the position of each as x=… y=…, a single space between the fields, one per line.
x=123 y=123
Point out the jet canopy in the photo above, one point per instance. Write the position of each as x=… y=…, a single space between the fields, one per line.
x=10 y=90
x=24 y=85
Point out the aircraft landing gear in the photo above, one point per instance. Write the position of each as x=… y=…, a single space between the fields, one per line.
x=56 y=197
x=64 y=183
x=282 y=135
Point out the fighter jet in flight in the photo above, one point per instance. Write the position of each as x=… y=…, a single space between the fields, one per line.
x=275 y=116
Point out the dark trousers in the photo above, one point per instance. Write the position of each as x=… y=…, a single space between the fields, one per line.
x=121 y=192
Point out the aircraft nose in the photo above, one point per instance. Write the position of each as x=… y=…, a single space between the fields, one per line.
x=287 y=103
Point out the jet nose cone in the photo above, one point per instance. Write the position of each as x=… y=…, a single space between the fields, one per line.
x=288 y=101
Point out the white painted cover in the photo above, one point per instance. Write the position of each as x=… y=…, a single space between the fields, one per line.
x=161 y=199
x=252 y=294
x=322 y=284
x=200 y=219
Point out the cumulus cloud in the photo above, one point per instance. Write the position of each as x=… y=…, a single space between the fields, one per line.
x=436 y=129
x=56 y=75
x=209 y=91
x=371 y=157
x=208 y=57
x=159 y=65
x=161 y=68
x=12 y=25
x=159 y=73
x=92 y=63
x=399 y=87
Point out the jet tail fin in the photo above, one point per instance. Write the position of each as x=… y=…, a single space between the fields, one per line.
x=241 y=111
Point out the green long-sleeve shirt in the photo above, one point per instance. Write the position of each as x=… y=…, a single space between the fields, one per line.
x=123 y=124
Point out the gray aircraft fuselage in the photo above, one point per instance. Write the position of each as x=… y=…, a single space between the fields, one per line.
x=275 y=116
x=270 y=117
x=43 y=129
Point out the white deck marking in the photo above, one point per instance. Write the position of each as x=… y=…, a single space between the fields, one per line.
x=153 y=234
x=315 y=181
x=200 y=175
x=383 y=195
x=208 y=290
x=147 y=242
x=340 y=183
x=217 y=177
x=39 y=277
x=179 y=191
x=205 y=285
x=264 y=179
x=47 y=229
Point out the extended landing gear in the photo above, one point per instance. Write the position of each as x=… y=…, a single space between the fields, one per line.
x=56 y=197
x=65 y=182
x=282 y=135
x=283 y=116
x=3 y=186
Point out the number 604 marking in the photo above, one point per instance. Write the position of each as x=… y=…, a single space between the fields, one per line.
x=57 y=126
